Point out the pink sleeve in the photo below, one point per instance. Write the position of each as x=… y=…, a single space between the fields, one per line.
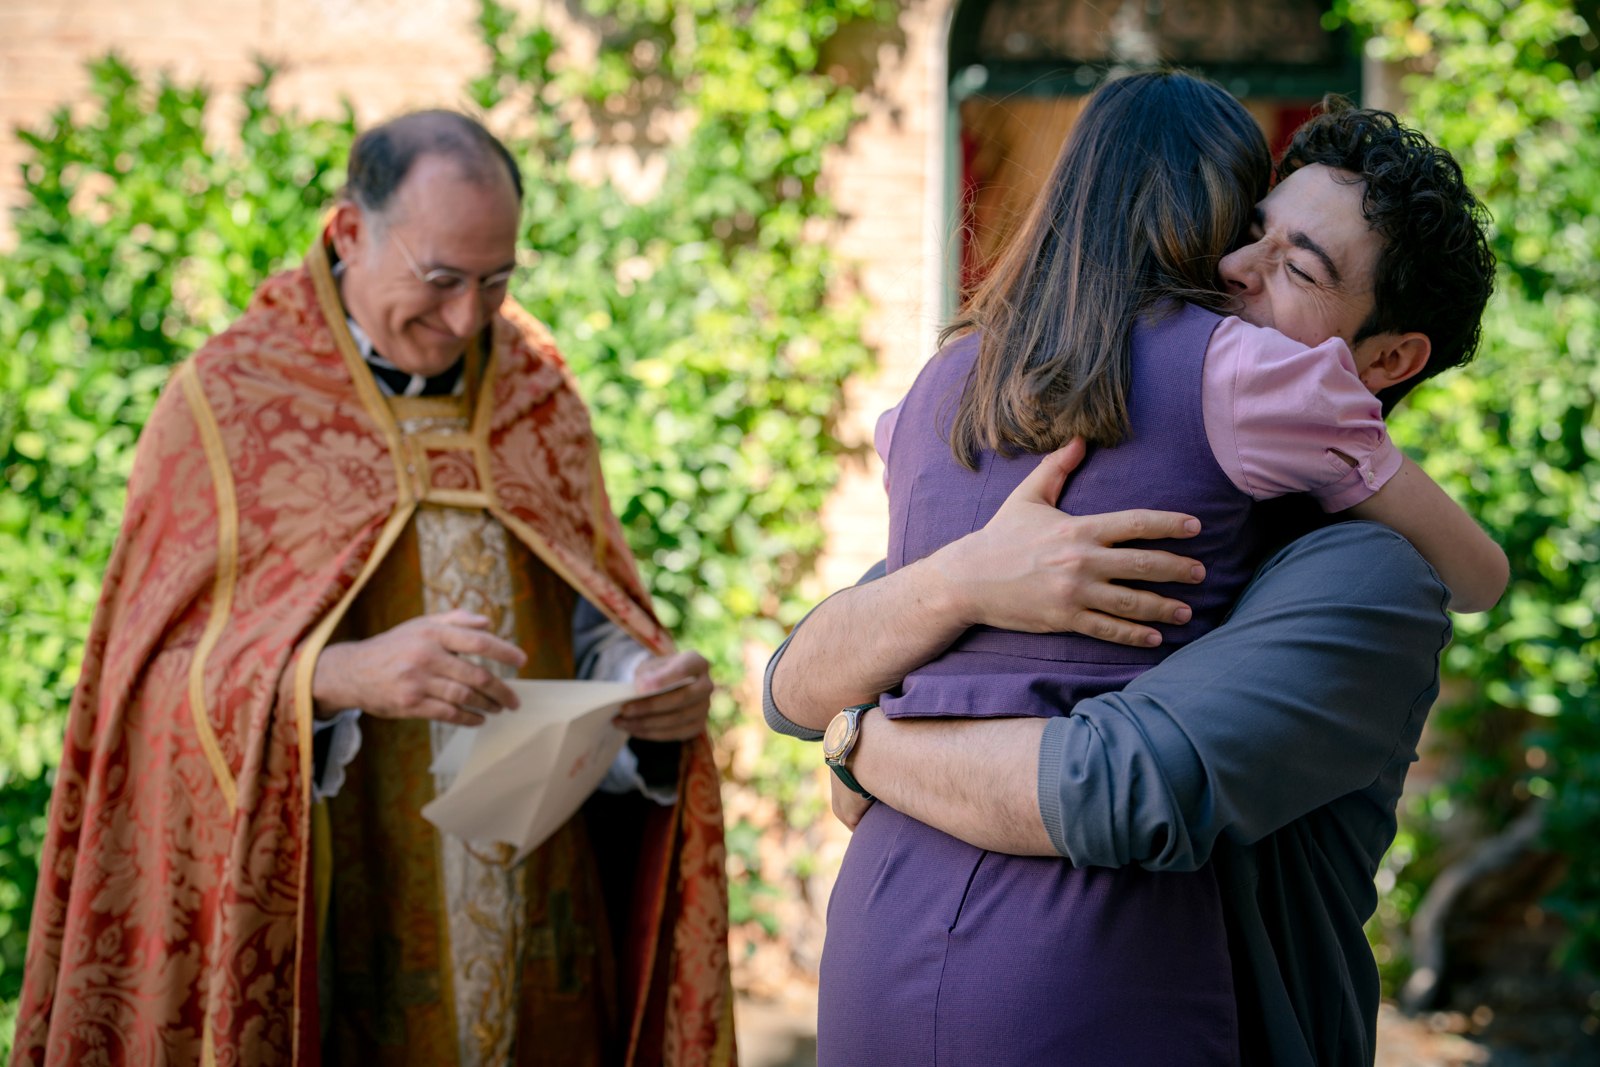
x=883 y=435
x=1283 y=418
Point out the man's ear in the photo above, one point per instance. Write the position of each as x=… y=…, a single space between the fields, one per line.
x=1388 y=359
x=347 y=228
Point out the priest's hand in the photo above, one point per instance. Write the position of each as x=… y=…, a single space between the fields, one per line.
x=673 y=716
x=416 y=671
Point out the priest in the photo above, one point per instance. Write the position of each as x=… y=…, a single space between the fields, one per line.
x=352 y=515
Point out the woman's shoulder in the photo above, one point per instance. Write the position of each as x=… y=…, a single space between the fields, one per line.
x=954 y=359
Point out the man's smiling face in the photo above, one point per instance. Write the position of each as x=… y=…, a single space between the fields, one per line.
x=1309 y=267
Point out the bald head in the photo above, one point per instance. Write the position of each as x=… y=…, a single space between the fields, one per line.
x=385 y=155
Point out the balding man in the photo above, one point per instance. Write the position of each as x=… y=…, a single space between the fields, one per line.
x=351 y=516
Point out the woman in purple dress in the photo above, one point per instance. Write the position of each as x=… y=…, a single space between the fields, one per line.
x=1095 y=324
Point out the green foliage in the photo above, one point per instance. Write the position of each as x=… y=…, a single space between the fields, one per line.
x=696 y=312
x=706 y=327
x=1508 y=87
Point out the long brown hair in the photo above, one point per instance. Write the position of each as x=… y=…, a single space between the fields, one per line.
x=1156 y=183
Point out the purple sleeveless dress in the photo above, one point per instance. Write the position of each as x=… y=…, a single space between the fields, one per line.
x=939 y=953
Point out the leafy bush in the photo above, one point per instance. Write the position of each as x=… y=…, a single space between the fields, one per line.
x=1508 y=87
x=706 y=323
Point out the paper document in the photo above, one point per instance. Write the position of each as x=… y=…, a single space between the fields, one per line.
x=523 y=773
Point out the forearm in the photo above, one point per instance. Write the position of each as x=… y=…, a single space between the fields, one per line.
x=1467 y=559
x=862 y=641
x=974 y=779
x=1323 y=673
x=1030 y=568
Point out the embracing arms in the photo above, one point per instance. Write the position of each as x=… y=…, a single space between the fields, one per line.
x=1026 y=570
x=1300 y=698
x=1470 y=563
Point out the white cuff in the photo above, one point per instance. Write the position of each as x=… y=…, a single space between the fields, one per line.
x=328 y=779
x=619 y=661
x=623 y=777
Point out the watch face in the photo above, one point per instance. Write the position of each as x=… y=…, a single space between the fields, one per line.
x=838 y=731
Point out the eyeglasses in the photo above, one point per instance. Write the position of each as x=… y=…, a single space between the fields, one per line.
x=448 y=283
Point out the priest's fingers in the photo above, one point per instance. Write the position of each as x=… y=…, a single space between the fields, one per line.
x=464 y=697
x=695 y=695
x=471 y=641
x=488 y=690
x=670 y=726
x=442 y=711
x=658 y=671
x=676 y=714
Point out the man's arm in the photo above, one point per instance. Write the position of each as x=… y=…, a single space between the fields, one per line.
x=1030 y=568
x=1300 y=698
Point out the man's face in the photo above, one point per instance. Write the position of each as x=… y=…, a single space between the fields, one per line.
x=443 y=219
x=1310 y=265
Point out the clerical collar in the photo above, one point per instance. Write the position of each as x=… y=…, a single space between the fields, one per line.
x=392 y=381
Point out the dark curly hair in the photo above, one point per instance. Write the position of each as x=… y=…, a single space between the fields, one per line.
x=1435 y=271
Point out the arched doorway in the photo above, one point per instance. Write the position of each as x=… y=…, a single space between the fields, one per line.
x=1018 y=71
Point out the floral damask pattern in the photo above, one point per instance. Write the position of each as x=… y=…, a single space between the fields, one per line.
x=171 y=923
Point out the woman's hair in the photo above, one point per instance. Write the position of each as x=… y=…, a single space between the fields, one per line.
x=1156 y=183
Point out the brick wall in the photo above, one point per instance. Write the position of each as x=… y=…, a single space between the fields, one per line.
x=887 y=179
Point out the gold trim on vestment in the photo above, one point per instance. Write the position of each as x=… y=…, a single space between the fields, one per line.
x=305 y=709
x=598 y=510
x=660 y=906
x=483 y=411
x=322 y=865
x=407 y=408
x=208 y=1044
x=333 y=313
x=536 y=544
x=442 y=442
x=222 y=585
x=722 y=1054
x=465 y=565
x=405 y=505
x=468 y=499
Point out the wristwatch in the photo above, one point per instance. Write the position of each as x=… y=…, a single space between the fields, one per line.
x=840 y=740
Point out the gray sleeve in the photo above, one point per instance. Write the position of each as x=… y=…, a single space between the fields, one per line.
x=1301 y=697
x=602 y=650
x=775 y=718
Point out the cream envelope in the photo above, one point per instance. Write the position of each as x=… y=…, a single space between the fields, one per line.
x=525 y=772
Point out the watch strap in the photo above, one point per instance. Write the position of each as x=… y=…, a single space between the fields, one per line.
x=849 y=780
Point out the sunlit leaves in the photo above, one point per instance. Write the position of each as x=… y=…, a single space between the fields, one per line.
x=1509 y=88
